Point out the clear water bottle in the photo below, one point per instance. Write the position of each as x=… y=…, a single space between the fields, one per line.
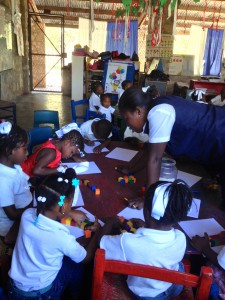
x=168 y=170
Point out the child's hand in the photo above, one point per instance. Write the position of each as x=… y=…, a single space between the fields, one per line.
x=136 y=203
x=97 y=149
x=78 y=216
x=77 y=158
x=89 y=143
x=95 y=227
x=138 y=223
x=201 y=243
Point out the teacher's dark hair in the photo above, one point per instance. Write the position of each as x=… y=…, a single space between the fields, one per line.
x=132 y=98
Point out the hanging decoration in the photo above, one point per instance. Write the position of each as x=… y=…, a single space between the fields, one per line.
x=204 y=13
x=127 y=4
x=218 y=16
x=16 y=19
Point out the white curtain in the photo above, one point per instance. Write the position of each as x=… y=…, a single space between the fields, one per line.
x=98 y=36
x=196 y=47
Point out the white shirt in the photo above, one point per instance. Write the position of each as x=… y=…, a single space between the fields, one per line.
x=161 y=120
x=120 y=94
x=143 y=137
x=147 y=246
x=86 y=131
x=107 y=111
x=217 y=101
x=14 y=190
x=39 y=251
x=221 y=258
x=94 y=101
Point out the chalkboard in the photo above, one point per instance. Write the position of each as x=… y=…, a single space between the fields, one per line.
x=6 y=59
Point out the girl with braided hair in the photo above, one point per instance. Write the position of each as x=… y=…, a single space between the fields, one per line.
x=47 y=258
x=156 y=243
x=46 y=160
x=15 y=194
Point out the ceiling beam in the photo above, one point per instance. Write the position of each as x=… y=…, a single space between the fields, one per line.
x=141 y=19
x=201 y=8
x=35 y=10
x=199 y=19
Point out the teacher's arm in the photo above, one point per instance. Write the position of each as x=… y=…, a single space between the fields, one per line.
x=155 y=154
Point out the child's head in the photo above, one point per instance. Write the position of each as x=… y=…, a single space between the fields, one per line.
x=97 y=88
x=134 y=105
x=222 y=93
x=55 y=193
x=153 y=91
x=72 y=143
x=102 y=129
x=105 y=100
x=167 y=203
x=197 y=95
x=13 y=143
x=126 y=84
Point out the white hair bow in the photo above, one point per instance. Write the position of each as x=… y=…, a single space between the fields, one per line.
x=160 y=201
x=60 y=179
x=5 y=127
x=67 y=128
x=41 y=199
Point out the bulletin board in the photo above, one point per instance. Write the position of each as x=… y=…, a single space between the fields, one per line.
x=115 y=72
x=164 y=49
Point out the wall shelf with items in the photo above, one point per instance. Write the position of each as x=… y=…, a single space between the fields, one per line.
x=92 y=74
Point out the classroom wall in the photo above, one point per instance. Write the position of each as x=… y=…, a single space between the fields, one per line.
x=15 y=81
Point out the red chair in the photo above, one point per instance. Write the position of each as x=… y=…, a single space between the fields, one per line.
x=202 y=283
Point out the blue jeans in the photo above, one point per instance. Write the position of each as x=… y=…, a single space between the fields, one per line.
x=69 y=276
x=173 y=291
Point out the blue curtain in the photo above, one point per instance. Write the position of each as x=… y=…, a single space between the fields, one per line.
x=118 y=44
x=213 y=52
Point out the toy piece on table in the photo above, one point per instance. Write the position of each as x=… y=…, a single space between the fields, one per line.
x=217 y=239
x=68 y=222
x=127 y=225
x=127 y=179
x=85 y=223
x=141 y=192
x=92 y=187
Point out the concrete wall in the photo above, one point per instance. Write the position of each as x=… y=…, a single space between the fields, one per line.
x=15 y=81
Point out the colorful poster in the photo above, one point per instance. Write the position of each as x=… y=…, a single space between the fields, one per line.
x=164 y=49
x=116 y=74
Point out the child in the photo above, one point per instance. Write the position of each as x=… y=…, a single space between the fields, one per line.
x=39 y=268
x=15 y=194
x=198 y=96
x=96 y=129
x=105 y=107
x=219 y=100
x=202 y=244
x=47 y=158
x=126 y=84
x=94 y=101
x=157 y=243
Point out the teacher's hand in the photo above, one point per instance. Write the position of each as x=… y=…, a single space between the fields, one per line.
x=136 y=203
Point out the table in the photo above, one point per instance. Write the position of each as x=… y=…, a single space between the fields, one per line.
x=8 y=110
x=213 y=88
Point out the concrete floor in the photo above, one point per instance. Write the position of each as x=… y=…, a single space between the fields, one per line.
x=26 y=105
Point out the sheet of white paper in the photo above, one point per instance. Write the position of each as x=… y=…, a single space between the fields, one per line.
x=188 y=178
x=195 y=207
x=76 y=231
x=77 y=199
x=129 y=213
x=122 y=154
x=93 y=168
x=89 y=149
x=199 y=227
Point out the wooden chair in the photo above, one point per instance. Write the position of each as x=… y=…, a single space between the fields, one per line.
x=38 y=135
x=46 y=117
x=101 y=265
x=83 y=106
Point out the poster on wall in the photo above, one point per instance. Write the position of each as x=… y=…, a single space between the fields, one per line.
x=164 y=49
x=175 y=65
x=115 y=75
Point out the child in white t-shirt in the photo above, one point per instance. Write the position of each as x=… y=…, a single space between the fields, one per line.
x=15 y=193
x=126 y=84
x=219 y=100
x=156 y=243
x=94 y=101
x=96 y=130
x=105 y=107
x=46 y=258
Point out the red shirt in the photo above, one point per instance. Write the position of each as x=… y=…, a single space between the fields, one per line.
x=30 y=162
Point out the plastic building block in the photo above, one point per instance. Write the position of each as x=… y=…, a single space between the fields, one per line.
x=93 y=188
x=68 y=221
x=87 y=233
x=97 y=192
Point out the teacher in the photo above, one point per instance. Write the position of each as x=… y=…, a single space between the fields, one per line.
x=178 y=126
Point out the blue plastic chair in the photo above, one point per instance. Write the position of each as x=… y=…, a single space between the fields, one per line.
x=38 y=135
x=83 y=106
x=46 y=117
x=90 y=114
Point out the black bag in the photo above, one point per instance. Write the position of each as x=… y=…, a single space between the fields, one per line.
x=157 y=75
